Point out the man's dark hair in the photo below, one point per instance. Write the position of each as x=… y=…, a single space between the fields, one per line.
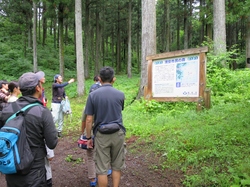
x=96 y=78
x=12 y=86
x=3 y=82
x=28 y=92
x=107 y=74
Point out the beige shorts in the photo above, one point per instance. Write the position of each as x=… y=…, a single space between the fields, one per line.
x=109 y=151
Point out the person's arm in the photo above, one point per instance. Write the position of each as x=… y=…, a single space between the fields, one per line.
x=49 y=129
x=50 y=153
x=83 y=121
x=3 y=97
x=56 y=85
x=89 y=121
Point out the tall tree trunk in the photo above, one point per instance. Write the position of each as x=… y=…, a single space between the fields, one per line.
x=34 y=37
x=66 y=31
x=103 y=21
x=39 y=21
x=202 y=18
x=97 y=55
x=219 y=22
x=129 y=68
x=178 y=27
x=190 y=27
x=185 y=25
x=54 y=32
x=86 y=39
x=79 y=49
x=92 y=46
x=248 y=43
x=113 y=46
x=118 y=42
x=148 y=40
x=61 y=42
x=167 y=4
x=138 y=36
x=44 y=21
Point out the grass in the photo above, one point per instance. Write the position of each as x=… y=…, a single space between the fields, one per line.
x=211 y=147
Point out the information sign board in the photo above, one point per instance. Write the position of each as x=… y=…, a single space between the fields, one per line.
x=178 y=75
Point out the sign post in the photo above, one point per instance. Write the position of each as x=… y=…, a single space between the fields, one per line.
x=177 y=76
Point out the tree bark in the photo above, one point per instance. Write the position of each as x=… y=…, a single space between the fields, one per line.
x=97 y=44
x=34 y=37
x=167 y=4
x=86 y=39
x=39 y=21
x=129 y=39
x=178 y=27
x=79 y=48
x=54 y=32
x=44 y=21
x=61 y=42
x=118 y=42
x=248 y=43
x=138 y=36
x=148 y=40
x=202 y=18
x=219 y=26
x=185 y=25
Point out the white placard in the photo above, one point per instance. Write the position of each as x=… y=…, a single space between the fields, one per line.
x=176 y=77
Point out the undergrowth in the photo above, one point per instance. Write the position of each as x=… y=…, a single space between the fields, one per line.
x=211 y=147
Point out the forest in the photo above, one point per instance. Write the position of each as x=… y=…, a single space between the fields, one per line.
x=42 y=33
x=76 y=38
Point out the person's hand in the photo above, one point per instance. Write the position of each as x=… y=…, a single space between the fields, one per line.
x=90 y=144
x=71 y=80
x=49 y=159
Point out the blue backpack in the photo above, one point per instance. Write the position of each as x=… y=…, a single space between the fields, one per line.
x=15 y=153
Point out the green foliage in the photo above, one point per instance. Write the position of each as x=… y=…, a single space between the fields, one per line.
x=70 y=158
x=206 y=146
x=12 y=64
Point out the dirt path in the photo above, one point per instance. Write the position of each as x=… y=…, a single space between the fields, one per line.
x=69 y=171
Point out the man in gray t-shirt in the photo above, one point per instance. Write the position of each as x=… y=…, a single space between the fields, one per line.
x=106 y=105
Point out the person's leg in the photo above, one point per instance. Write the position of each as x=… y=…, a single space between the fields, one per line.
x=60 y=120
x=117 y=156
x=102 y=158
x=102 y=180
x=55 y=111
x=36 y=177
x=116 y=177
x=91 y=165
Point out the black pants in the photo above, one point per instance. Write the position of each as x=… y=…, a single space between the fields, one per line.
x=35 y=178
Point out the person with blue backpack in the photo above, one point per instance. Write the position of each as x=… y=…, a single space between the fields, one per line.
x=40 y=128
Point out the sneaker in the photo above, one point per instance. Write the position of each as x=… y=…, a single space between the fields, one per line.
x=93 y=184
x=59 y=134
x=109 y=172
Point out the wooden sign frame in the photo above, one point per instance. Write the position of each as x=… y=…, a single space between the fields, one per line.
x=174 y=58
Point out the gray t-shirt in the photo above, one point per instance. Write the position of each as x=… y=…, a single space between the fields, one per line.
x=106 y=104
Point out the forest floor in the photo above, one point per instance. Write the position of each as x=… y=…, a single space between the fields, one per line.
x=69 y=167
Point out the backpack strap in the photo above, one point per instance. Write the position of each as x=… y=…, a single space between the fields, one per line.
x=23 y=110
